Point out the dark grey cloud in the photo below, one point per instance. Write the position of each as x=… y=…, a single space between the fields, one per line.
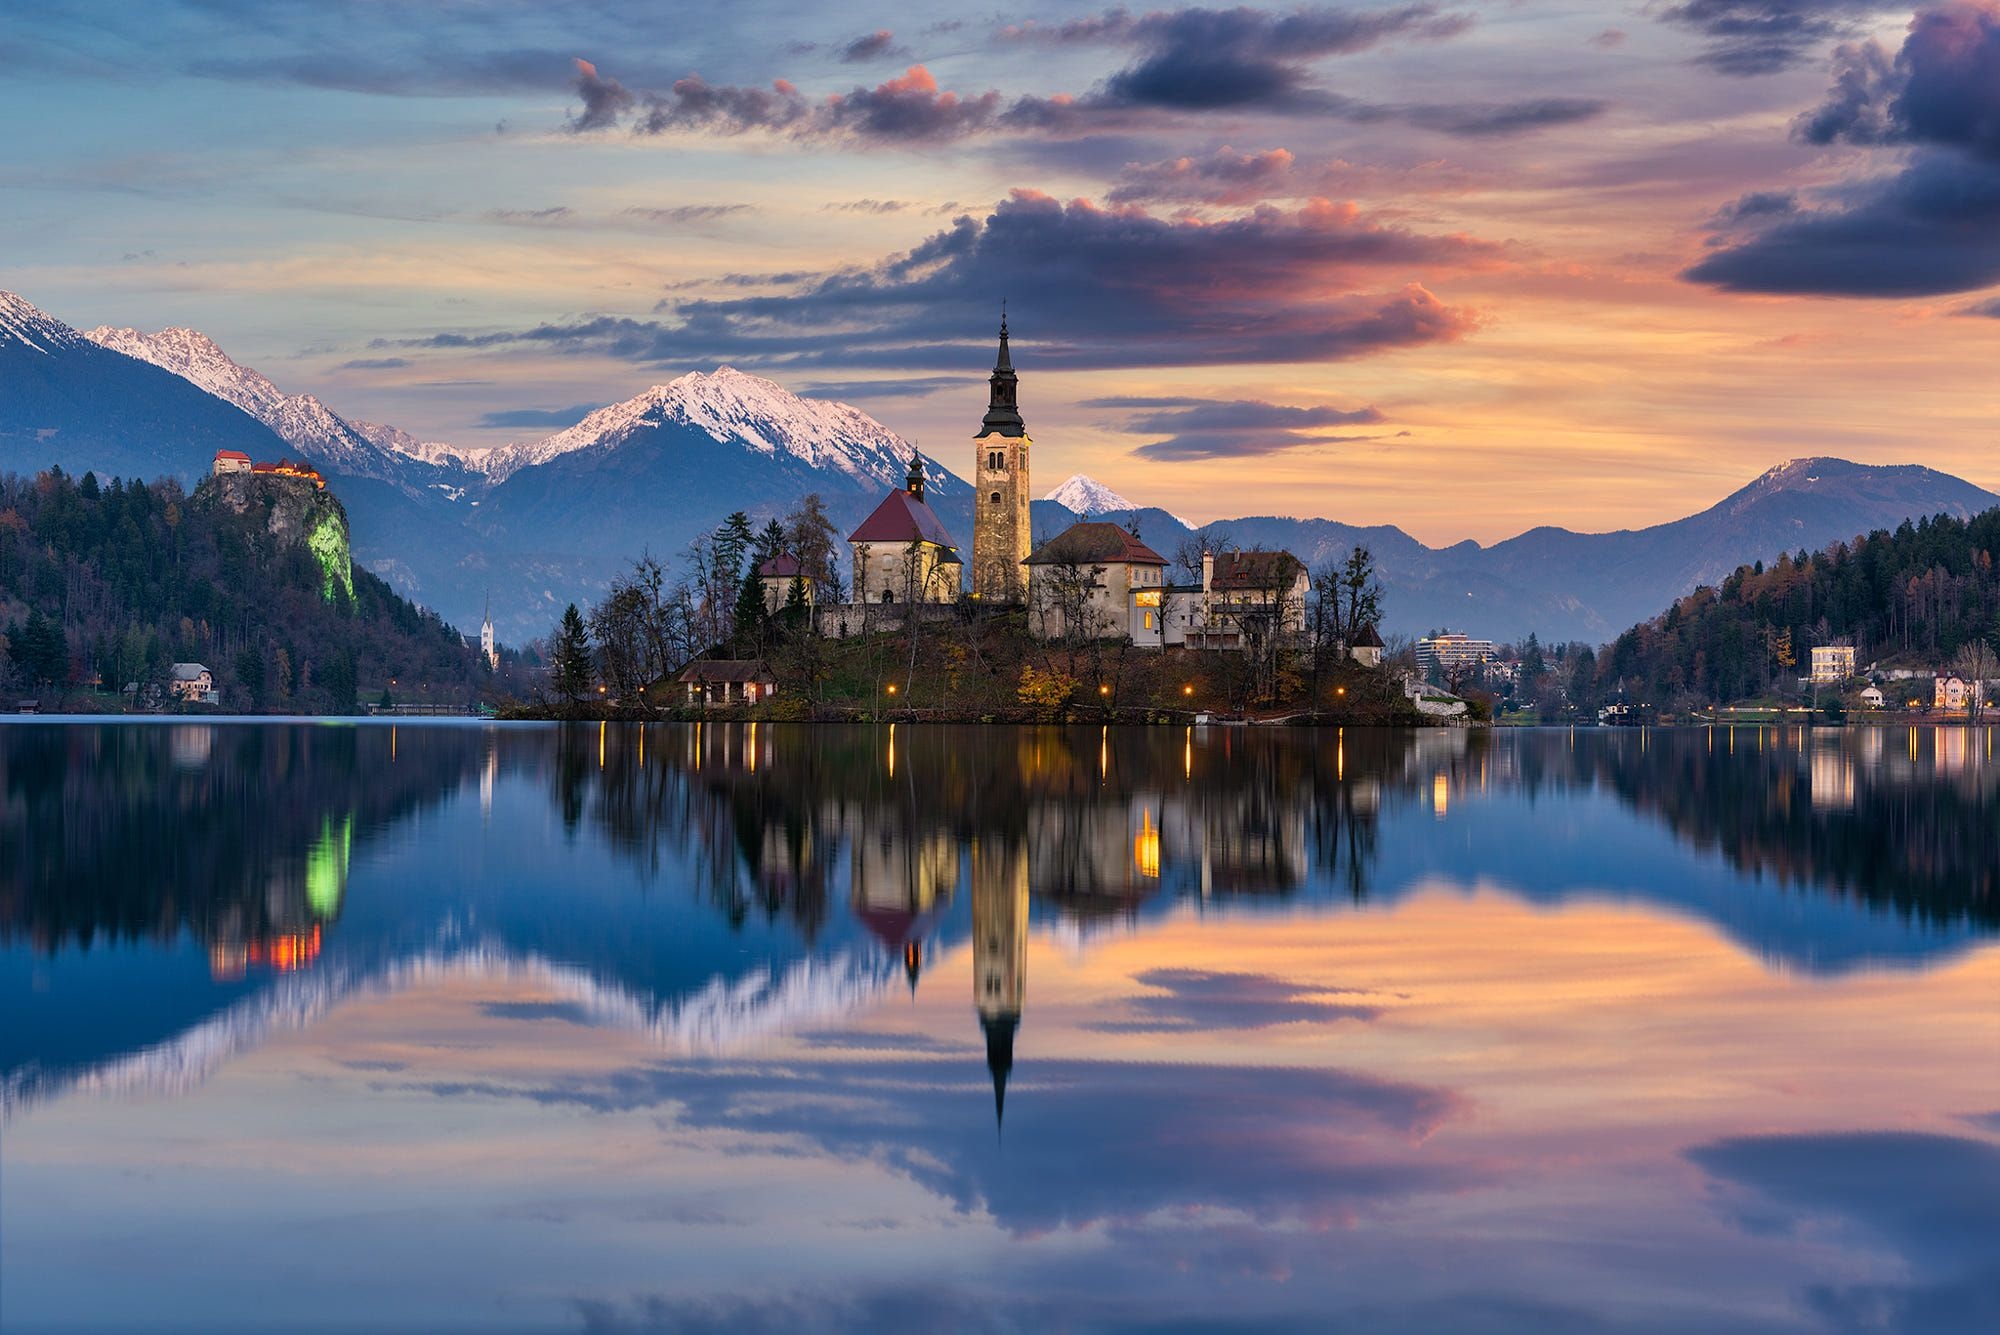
x=1933 y=1199
x=604 y=100
x=1199 y=1001
x=1205 y=59
x=1942 y=89
x=537 y=417
x=1091 y=287
x=1929 y=229
x=1188 y=61
x=877 y=45
x=375 y=364
x=1753 y=37
x=1221 y=429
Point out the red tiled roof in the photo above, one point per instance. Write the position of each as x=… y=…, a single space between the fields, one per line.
x=1095 y=542
x=232 y=454
x=1256 y=570
x=782 y=566
x=902 y=518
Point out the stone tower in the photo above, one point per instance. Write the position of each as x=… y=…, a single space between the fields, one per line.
x=1000 y=528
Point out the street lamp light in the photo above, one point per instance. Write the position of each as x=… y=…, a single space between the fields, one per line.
x=1188 y=689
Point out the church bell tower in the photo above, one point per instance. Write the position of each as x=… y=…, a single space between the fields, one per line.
x=1000 y=527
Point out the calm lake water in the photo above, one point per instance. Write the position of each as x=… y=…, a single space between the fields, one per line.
x=331 y=1027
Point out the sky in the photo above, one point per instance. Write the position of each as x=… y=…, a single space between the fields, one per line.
x=1460 y=267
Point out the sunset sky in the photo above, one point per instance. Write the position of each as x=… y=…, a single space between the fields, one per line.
x=1461 y=267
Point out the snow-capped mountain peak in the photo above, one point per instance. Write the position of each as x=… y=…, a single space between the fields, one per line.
x=1087 y=496
x=194 y=357
x=300 y=420
x=21 y=321
x=732 y=406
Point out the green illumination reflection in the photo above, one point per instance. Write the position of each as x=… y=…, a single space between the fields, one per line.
x=326 y=867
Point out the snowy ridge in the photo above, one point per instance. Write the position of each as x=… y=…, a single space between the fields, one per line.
x=437 y=453
x=300 y=420
x=723 y=1016
x=21 y=321
x=733 y=407
x=1087 y=496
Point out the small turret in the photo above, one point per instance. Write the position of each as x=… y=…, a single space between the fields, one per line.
x=916 y=478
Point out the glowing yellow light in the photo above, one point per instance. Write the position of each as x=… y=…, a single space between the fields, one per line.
x=600 y=744
x=1104 y=690
x=1146 y=847
x=1188 y=689
x=1441 y=795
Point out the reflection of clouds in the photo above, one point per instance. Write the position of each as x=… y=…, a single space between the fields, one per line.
x=1197 y=1000
x=1935 y=1199
x=1085 y=1142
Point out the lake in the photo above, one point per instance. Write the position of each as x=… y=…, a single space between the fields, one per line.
x=326 y=1027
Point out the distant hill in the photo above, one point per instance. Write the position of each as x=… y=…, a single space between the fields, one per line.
x=250 y=576
x=1920 y=592
x=536 y=524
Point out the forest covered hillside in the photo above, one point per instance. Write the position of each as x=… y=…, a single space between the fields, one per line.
x=1918 y=596
x=108 y=584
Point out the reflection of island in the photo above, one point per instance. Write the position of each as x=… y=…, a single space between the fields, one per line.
x=239 y=836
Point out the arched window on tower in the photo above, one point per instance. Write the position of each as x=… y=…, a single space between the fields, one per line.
x=996 y=460
x=996 y=498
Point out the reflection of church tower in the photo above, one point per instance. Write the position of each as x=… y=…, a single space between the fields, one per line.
x=999 y=951
x=1000 y=476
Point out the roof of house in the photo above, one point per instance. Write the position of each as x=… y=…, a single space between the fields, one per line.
x=782 y=566
x=1095 y=542
x=718 y=670
x=187 y=671
x=232 y=454
x=1256 y=570
x=902 y=518
x=1367 y=639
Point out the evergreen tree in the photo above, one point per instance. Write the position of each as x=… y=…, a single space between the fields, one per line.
x=250 y=675
x=569 y=658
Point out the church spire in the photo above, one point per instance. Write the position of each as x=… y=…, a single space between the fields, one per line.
x=1003 y=412
x=914 y=482
x=1000 y=1058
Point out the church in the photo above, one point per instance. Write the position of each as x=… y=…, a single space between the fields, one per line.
x=904 y=559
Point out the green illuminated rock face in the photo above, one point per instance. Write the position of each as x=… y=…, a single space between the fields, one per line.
x=294 y=513
x=328 y=544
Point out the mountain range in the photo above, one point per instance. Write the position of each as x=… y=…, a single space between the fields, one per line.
x=537 y=524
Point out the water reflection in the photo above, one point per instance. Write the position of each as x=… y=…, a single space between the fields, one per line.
x=1433 y=1030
